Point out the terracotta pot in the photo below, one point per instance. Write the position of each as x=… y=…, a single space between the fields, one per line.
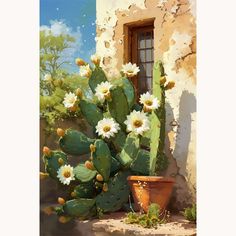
x=151 y=189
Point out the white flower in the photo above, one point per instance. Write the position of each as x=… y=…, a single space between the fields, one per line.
x=107 y=127
x=103 y=91
x=65 y=174
x=95 y=59
x=69 y=100
x=130 y=69
x=149 y=101
x=48 y=77
x=85 y=71
x=137 y=122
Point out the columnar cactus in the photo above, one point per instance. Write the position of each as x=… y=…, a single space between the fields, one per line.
x=124 y=132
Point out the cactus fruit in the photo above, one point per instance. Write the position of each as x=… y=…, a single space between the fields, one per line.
x=46 y=151
x=79 y=62
x=84 y=174
x=99 y=177
x=102 y=159
x=51 y=163
x=89 y=165
x=61 y=201
x=75 y=142
x=60 y=132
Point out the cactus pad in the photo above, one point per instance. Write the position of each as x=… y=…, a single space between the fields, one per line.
x=98 y=76
x=85 y=190
x=91 y=112
x=84 y=174
x=52 y=163
x=117 y=194
x=75 y=142
x=101 y=159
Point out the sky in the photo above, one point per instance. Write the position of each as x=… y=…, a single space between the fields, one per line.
x=74 y=17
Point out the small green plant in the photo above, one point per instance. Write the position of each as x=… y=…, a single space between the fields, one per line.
x=149 y=220
x=190 y=213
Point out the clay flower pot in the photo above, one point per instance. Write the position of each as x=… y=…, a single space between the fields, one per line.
x=151 y=189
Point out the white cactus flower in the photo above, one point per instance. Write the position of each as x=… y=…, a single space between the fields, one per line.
x=130 y=69
x=103 y=91
x=65 y=174
x=149 y=101
x=107 y=127
x=69 y=100
x=95 y=59
x=137 y=122
x=48 y=77
x=85 y=71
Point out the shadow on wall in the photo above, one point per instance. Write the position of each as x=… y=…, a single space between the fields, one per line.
x=179 y=132
x=187 y=106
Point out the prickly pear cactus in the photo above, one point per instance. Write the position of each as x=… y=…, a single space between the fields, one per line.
x=120 y=146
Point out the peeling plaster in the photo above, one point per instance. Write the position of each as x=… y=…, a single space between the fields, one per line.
x=106 y=21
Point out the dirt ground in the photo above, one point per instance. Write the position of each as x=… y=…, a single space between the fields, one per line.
x=113 y=224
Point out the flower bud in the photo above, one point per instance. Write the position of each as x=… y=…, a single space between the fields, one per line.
x=105 y=187
x=73 y=108
x=79 y=92
x=61 y=201
x=46 y=151
x=170 y=85
x=60 y=132
x=95 y=59
x=79 y=62
x=99 y=178
x=92 y=148
x=64 y=219
x=73 y=194
x=89 y=165
x=60 y=161
x=162 y=80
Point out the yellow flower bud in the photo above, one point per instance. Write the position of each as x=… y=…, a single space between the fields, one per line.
x=61 y=201
x=95 y=59
x=170 y=85
x=89 y=165
x=105 y=187
x=162 y=80
x=46 y=151
x=60 y=132
x=92 y=148
x=99 y=177
x=60 y=161
x=79 y=92
x=79 y=62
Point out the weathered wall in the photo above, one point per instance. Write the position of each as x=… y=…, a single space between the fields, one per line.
x=174 y=42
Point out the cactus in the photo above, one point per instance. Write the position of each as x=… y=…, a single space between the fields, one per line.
x=81 y=208
x=98 y=76
x=84 y=174
x=75 y=142
x=117 y=194
x=118 y=106
x=53 y=162
x=91 y=112
x=101 y=159
x=100 y=184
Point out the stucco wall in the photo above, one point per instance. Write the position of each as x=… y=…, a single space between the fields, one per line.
x=174 y=44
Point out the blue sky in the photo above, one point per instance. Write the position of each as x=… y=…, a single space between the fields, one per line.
x=77 y=17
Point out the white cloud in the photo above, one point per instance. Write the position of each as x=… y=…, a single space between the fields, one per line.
x=60 y=27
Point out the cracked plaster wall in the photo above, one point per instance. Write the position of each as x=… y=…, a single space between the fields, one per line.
x=175 y=45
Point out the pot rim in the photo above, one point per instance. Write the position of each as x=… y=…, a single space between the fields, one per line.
x=151 y=178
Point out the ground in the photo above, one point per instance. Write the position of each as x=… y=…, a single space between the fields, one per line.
x=112 y=224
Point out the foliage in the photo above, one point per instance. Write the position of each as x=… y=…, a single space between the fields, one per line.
x=52 y=91
x=100 y=184
x=149 y=220
x=190 y=213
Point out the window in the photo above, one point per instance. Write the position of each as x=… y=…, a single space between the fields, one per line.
x=141 y=52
